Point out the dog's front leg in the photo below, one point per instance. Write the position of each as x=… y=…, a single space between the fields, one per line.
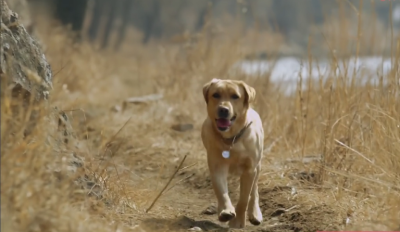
x=219 y=179
x=254 y=211
x=246 y=183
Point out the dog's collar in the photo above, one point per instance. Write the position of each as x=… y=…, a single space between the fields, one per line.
x=232 y=140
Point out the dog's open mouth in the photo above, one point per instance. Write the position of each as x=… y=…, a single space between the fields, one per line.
x=223 y=124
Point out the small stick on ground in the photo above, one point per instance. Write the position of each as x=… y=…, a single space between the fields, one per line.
x=165 y=187
x=115 y=135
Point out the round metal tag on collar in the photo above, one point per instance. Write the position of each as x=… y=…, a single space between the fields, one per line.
x=226 y=154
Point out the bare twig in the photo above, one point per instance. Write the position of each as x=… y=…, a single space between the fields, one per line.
x=115 y=135
x=360 y=154
x=165 y=187
x=272 y=145
x=109 y=143
x=180 y=181
x=188 y=166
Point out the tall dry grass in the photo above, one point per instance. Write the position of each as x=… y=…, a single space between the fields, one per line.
x=92 y=183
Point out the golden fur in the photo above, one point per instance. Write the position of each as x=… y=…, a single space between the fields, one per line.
x=235 y=99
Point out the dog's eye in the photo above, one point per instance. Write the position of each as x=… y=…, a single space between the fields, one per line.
x=234 y=96
x=216 y=95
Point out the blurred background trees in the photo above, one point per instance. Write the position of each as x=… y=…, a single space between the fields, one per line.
x=161 y=20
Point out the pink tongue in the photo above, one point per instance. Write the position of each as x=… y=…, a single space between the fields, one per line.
x=223 y=122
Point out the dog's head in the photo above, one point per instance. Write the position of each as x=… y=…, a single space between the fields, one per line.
x=227 y=101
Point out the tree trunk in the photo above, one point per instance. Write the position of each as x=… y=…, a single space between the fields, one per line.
x=110 y=22
x=71 y=12
x=151 y=21
x=22 y=61
x=125 y=18
x=96 y=19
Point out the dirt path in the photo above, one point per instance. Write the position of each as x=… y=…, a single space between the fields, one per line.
x=190 y=204
x=286 y=205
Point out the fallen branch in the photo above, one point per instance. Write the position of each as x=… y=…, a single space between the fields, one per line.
x=180 y=181
x=144 y=99
x=169 y=181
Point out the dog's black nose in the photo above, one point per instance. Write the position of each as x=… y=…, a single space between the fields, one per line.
x=223 y=112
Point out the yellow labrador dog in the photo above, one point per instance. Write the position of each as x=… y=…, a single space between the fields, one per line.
x=233 y=136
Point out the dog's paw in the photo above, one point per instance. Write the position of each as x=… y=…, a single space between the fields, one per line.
x=255 y=216
x=255 y=221
x=226 y=215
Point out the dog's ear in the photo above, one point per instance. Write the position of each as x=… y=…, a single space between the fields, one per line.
x=207 y=86
x=250 y=93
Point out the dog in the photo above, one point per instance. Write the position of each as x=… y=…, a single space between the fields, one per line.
x=233 y=137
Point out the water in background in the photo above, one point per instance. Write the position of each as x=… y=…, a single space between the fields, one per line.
x=286 y=72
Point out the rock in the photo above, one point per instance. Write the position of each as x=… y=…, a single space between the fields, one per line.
x=21 y=7
x=211 y=210
x=26 y=73
x=196 y=228
x=116 y=108
x=22 y=61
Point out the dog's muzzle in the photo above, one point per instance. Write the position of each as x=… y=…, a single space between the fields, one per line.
x=223 y=112
x=223 y=121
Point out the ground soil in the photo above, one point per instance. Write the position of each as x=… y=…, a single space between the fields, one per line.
x=287 y=204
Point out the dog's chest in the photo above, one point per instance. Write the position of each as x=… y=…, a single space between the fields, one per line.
x=238 y=162
x=243 y=148
x=240 y=158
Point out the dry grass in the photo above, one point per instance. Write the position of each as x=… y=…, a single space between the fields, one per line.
x=123 y=172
